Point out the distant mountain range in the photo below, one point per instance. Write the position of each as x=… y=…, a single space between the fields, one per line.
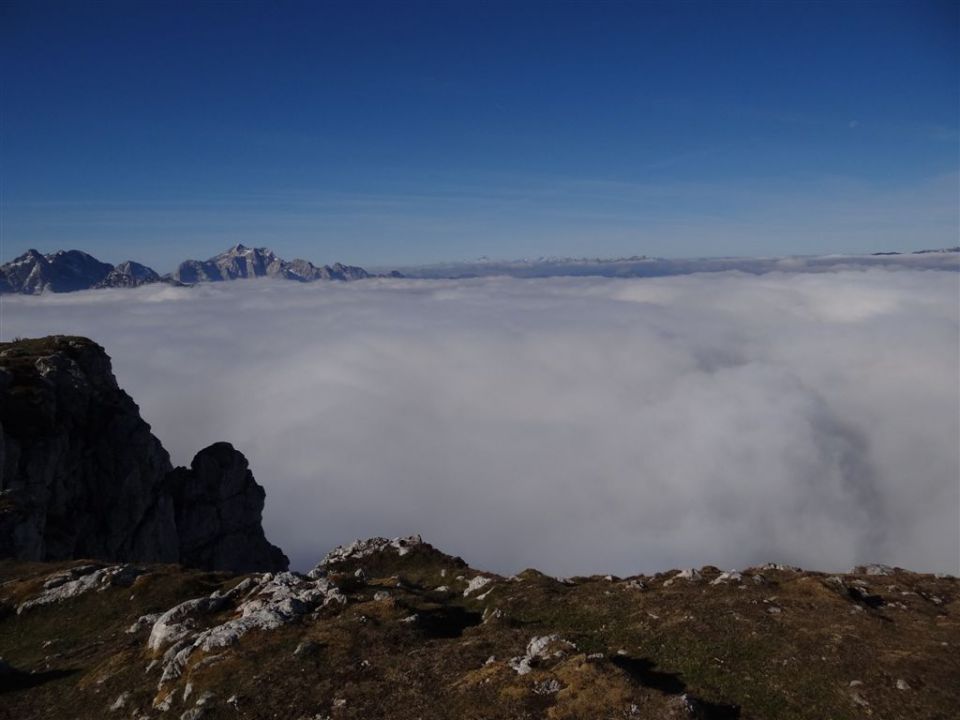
x=643 y=266
x=70 y=270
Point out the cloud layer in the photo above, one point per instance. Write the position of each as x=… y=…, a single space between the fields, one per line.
x=577 y=425
x=659 y=267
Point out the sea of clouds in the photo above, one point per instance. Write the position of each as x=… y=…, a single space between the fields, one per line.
x=578 y=425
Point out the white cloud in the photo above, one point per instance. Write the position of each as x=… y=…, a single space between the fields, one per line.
x=573 y=424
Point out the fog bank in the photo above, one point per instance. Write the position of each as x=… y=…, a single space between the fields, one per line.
x=578 y=425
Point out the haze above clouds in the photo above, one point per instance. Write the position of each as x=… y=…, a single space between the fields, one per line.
x=578 y=425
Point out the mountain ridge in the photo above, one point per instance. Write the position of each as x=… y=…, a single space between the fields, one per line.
x=64 y=271
x=642 y=266
x=241 y=262
x=33 y=273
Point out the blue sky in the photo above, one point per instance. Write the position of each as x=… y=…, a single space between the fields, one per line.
x=398 y=133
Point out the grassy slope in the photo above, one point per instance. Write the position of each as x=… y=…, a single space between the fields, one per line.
x=719 y=643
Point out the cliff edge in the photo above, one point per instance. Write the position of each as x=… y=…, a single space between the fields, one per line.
x=82 y=476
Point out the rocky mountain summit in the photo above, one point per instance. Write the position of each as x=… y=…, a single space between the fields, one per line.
x=70 y=270
x=396 y=629
x=243 y=262
x=62 y=271
x=82 y=476
x=129 y=274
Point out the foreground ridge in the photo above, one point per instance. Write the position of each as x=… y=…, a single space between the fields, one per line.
x=397 y=629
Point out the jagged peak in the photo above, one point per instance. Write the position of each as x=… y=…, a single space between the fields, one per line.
x=30 y=255
x=72 y=253
x=242 y=250
x=132 y=265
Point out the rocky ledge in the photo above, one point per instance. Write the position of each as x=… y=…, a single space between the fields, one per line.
x=82 y=476
x=396 y=629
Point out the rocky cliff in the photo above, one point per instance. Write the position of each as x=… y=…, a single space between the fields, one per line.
x=217 y=506
x=82 y=476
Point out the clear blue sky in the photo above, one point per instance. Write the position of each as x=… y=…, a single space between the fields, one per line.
x=395 y=133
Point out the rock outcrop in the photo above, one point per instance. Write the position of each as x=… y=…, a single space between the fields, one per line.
x=217 y=507
x=82 y=476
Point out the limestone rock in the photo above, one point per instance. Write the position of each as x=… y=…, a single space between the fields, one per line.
x=362 y=548
x=540 y=649
x=82 y=476
x=218 y=508
x=267 y=603
x=476 y=583
x=79 y=580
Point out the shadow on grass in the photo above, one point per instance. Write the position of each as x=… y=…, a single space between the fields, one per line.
x=642 y=671
x=446 y=622
x=14 y=680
